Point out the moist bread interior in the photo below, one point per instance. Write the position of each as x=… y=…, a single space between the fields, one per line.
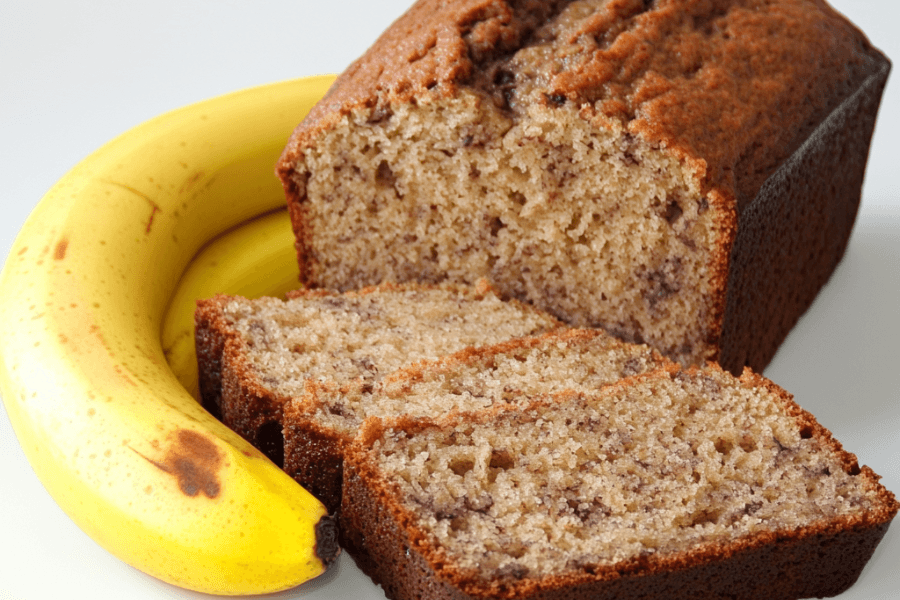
x=515 y=372
x=590 y=224
x=660 y=466
x=331 y=338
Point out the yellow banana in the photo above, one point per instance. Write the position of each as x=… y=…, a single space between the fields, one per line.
x=114 y=437
x=255 y=259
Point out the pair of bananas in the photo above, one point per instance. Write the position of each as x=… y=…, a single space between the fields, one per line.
x=97 y=368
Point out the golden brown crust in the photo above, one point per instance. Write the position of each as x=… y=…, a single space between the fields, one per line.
x=688 y=74
x=719 y=276
x=821 y=559
x=770 y=104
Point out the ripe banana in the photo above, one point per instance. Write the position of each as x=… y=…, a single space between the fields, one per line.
x=114 y=437
x=255 y=259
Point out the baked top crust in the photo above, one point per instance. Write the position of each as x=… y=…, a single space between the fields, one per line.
x=732 y=87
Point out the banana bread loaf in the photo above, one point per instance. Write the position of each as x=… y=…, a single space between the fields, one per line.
x=322 y=422
x=684 y=173
x=671 y=484
x=255 y=354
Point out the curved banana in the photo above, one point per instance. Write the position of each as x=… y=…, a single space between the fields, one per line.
x=255 y=259
x=114 y=437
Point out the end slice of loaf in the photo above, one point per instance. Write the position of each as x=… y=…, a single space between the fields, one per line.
x=626 y=164
x=672 y=484
x=320 y=424
x=254 y=355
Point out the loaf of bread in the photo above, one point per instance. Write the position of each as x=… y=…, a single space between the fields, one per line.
x=253 y=355
x=683 y=173
x=321 y=423
x=670 y=484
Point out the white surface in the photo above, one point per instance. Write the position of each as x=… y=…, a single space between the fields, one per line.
x=76 y=74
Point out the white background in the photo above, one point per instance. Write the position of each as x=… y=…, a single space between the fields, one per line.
x=75 y=74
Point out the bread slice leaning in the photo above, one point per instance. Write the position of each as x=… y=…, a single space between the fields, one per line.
x=320 y=424
x=670 y=484
x=254 y=355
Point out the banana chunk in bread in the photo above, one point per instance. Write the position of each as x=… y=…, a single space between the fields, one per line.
x=320 y=424
x=683 y=173
x=253 y=355
x=671 y=484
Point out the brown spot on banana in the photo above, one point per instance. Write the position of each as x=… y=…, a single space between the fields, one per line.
x=194 y=460
x=59 y=253
x=121 y=372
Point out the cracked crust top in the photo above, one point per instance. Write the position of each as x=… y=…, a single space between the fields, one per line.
x=731 y=86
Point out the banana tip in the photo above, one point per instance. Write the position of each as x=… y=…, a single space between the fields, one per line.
x=327 y=547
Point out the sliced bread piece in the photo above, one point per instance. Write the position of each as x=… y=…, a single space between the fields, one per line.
x=320 y=424
x=672 y=484
x=253 y=355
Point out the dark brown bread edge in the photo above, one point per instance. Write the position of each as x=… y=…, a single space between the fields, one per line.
x=792 y=236
x=211 y=330
x=249 y=407
x=314 y=454
x=229 y=387
x=229 y=390
x=821 y=560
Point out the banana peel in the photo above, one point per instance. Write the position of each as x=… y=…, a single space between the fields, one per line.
x=114 y=436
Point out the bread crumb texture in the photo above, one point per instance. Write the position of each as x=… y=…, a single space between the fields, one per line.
x=589 y=157
x=590 y=225
x=664 y=465
x=511 y=373
x=336 y=338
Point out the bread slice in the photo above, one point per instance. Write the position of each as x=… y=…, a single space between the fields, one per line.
x=671 y=484
x=253 y=355
x=684 y=174
x=321 y=423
